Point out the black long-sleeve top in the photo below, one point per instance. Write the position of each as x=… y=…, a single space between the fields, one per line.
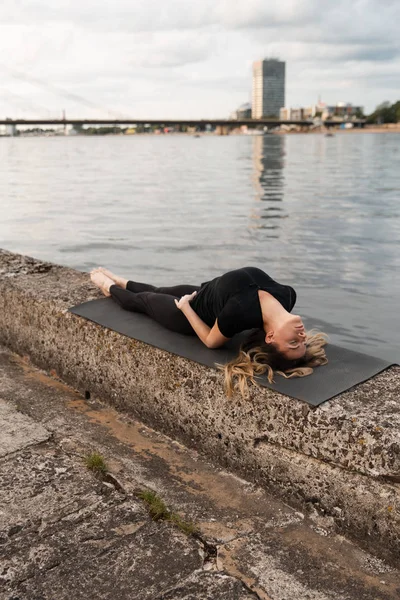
x=232 y=299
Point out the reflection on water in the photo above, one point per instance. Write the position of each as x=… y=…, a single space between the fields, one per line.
x=321 y=214
x=268 y=161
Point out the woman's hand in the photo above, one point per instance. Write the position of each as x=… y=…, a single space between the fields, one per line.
x=184 y=301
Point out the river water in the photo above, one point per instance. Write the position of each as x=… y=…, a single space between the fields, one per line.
x=319 y=213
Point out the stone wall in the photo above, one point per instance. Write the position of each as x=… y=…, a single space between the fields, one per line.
x=342 y=458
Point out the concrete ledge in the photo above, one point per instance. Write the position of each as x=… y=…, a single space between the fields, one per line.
x=343 y=457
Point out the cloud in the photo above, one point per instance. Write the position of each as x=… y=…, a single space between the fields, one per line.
x=306 y=51
x=172 y=49
x=128 y=52
x=255 y=14
x=340 y=20
x=119 y=15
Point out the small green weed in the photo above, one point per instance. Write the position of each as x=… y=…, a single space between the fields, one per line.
x=159 y=512
x=155 y=505
x=185 y=526
x=96 y=463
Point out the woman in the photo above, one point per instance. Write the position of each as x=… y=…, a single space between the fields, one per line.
x=239 y=300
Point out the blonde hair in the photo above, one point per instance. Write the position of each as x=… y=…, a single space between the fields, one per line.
x=256 y=358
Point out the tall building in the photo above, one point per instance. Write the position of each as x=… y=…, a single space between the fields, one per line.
x=10 y=129
x=268 y=88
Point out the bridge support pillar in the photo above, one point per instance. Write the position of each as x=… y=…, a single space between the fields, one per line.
x=222 y=130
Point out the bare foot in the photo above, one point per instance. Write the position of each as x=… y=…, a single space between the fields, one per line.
x=120 y=281
x=102 y=281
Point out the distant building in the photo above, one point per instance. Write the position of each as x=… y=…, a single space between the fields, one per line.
x=268 y=88
x=11 y=129
x=341 y=111
x=297 y=114
x=243 y=112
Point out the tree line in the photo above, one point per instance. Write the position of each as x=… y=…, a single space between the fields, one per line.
x=385 y=113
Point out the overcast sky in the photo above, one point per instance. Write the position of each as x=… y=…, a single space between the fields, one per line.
x=182 y=58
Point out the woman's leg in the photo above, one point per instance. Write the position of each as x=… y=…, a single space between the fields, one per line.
x=134 y=286
x=120 y=281
x=177 y=290
x=157 y=305
x=101 y=281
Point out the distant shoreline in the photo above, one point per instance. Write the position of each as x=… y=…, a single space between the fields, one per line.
x=388 y=128
x=335 y=130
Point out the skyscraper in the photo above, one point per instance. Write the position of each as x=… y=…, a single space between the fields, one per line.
x=268 y=88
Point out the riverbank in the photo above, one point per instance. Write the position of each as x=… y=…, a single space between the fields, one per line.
x=388 y=128
x=341 y=459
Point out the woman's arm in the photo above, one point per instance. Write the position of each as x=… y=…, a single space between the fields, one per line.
x=211 y=337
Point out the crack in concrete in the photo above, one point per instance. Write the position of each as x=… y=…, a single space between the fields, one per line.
x=211 y=557
x=43 y=569
x=176 y=588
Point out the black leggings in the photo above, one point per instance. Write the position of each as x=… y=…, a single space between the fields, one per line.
x=158 y=303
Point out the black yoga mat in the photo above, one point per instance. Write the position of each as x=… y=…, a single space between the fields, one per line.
x=345 y=369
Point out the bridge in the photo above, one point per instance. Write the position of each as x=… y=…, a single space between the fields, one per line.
x=202 y=123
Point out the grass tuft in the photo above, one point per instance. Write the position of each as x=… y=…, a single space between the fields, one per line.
x=185 y=526
x=155 y=505
x=159 y=512
x=95 y=462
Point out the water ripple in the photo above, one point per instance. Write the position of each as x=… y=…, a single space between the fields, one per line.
x=319 y=213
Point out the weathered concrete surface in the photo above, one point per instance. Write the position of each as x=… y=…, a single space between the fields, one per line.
x=67 y=537
x=18 y=431
x=65 y=534
x=342 y=458
x=207 y=586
